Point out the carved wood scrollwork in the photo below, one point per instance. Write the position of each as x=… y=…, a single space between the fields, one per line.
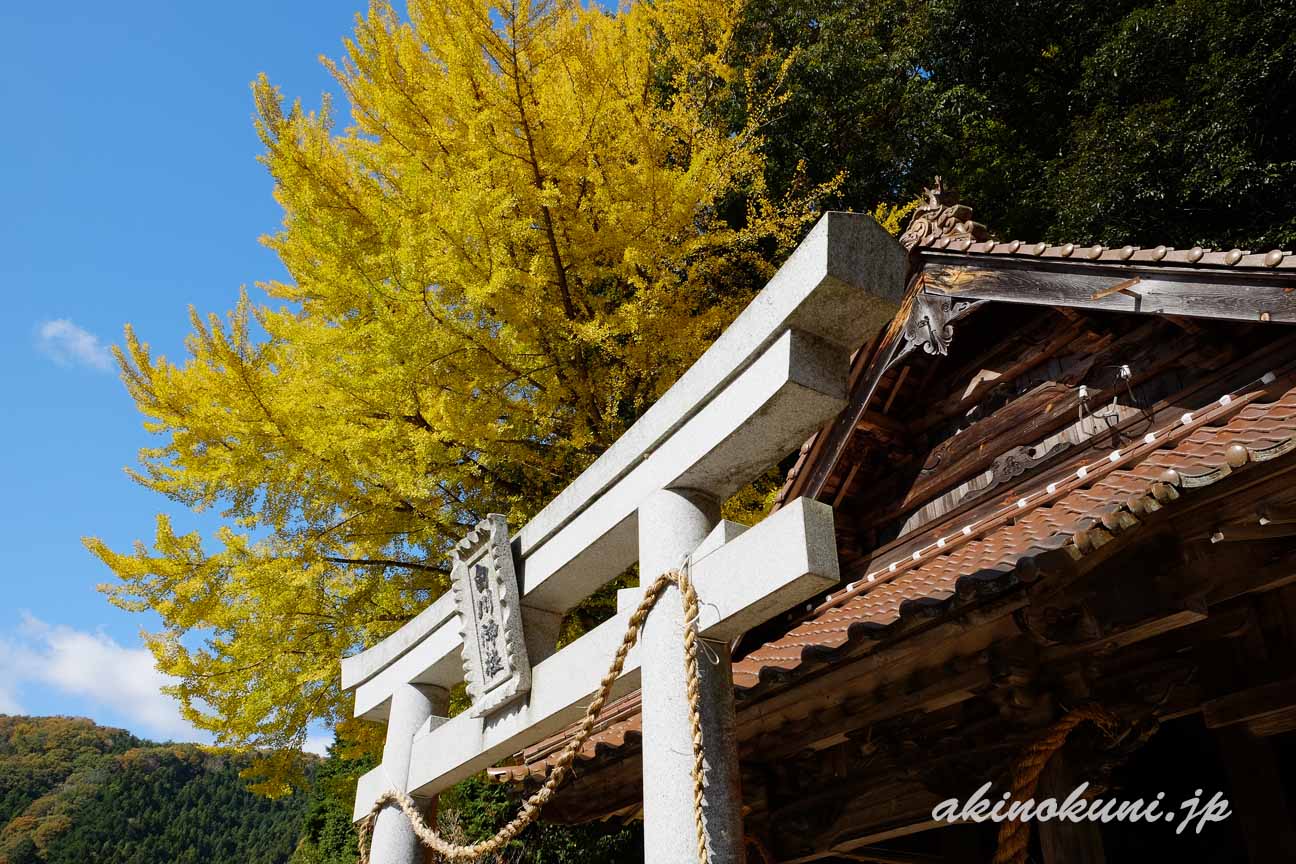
x=930 y=325
x=931 y=322
x=1019 y=460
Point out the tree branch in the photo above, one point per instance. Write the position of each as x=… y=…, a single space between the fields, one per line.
x=386 y=562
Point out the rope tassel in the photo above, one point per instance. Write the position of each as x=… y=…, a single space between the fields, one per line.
x=529 y=812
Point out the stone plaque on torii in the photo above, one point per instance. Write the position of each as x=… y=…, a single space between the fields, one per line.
x=484 y=584
x=777 y=374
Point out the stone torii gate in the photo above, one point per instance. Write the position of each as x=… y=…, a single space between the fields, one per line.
x=773 y=377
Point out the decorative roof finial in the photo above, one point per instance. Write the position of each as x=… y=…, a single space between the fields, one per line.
x=941 y=217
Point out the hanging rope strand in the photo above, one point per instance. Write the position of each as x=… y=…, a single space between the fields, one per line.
x=530 y=809
x=1014 y=834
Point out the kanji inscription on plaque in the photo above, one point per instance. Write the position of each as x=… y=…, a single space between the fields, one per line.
x=496 y=667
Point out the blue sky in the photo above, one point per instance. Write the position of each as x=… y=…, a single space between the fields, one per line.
x=130 y=191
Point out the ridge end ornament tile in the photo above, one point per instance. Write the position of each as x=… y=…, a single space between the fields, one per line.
x=496 y=667
x=941 y=217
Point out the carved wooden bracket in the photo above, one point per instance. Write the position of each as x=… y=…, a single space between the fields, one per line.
x=931 y=322
x=930 y=325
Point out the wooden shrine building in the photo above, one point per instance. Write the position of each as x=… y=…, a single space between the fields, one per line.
x=1065 y=477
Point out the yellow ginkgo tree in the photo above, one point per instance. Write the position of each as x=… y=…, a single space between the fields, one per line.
x=541 y=213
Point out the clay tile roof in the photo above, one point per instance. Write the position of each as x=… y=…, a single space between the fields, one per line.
x=616 y=728
x=1078 y=516
x=941 y=223
x=1072 y=518
x=1196 y=256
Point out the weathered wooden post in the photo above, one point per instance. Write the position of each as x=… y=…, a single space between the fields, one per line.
x=774 y=376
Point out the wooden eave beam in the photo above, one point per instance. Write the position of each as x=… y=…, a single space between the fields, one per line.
x=876 y=422
x=1246 y=531
x=1219 y=293
x=888 y=856
x=1255 y=580
x=871 y=708
x=1273 y=704
x=1155 y=624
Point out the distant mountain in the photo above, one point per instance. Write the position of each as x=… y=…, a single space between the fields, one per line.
x=73 y=792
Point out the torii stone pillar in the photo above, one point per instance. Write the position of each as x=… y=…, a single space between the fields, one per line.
x=672 y=523
x=413 y=706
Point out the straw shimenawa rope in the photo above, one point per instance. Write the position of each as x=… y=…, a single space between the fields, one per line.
x=1014 y=834
x=530 y=810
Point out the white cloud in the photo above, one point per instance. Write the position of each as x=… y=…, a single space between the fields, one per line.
x=119 y=684
x=71 y=345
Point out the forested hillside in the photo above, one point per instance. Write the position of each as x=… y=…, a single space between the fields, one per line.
x=72 y=792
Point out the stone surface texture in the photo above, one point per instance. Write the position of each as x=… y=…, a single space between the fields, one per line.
x=783 y=560
x=673 y=523
x=485 y=587
x=412 y=707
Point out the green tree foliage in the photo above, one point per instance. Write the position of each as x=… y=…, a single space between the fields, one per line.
x=327 y=833
x=520 y=240
x=37 y=754
x=479 y=304
x=474 y=810
x=470 y=811
x=1172 y=121
x=73 y=792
